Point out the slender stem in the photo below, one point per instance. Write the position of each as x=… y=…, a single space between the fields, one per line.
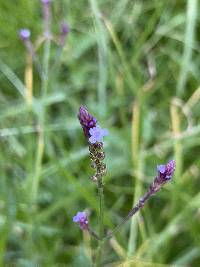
x=136 y=158
x=93 y=234
x=134 y=210
x=46 y=66
x=97 y=155
x=101 y=221
x=41 y=119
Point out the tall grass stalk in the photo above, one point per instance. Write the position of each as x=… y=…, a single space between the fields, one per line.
x=135 y=139
x=41 y=120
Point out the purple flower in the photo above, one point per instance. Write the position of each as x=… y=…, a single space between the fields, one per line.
x=97 y=134
x=87 y=121
x=81 y=219
x=165 y=172
x=46 y=2
x=64 y=28
x=24 y=34
x=64 y=32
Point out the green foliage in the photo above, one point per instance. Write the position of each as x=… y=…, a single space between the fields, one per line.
x=123 y=60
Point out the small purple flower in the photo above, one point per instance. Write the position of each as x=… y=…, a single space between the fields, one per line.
x=166 y=172
x=24 y=34
x=81 y=219
x=87 y=121
x=97 y=134
x=46 y=2
x=64 y=28
x=64 y=32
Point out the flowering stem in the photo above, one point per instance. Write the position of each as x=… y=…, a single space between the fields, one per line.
x=93 y=234
x=135 y=209
x=101 y=221
x=165 y=173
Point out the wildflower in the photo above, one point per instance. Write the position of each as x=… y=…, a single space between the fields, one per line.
x=97 y=134
x=64 y=28
x=25 y=34
x=165 y=172
x=94 y=134
x=87 y=121
x=64 y=33
x=46 y=2
x=81 y=219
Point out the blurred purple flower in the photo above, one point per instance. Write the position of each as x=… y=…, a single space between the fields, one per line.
x=97 y=134
x=24 y=34
x=46 y=2
x=64 y=28
x=81 y=219
x=87 y=121
x=64 y=32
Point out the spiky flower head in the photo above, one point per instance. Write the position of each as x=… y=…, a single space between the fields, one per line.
x=24 y=34
x=87 y=121
x=81 y=219
x=165 y=172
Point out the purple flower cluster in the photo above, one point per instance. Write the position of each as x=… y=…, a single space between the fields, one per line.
x=64 y=32
x=165 y=172
x=46 y=2
x=92 y=131
x=81 y=219
x=24 y=34
x=97 y=134
x=64 y=28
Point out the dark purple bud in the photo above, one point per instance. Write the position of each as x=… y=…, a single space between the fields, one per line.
x=81 y=219
x=24 y=34
x=87 y=121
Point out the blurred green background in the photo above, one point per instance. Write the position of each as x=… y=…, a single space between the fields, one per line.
x=135 y=66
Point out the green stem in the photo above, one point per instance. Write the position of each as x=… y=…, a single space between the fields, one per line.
x=46 y=66
x=134 y=210
x=41 y=119
x=101 y=221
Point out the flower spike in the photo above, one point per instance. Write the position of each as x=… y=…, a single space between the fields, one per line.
x=87 y=121
x=81 y=219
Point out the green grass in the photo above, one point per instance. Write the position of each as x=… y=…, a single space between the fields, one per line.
x=135 y=65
